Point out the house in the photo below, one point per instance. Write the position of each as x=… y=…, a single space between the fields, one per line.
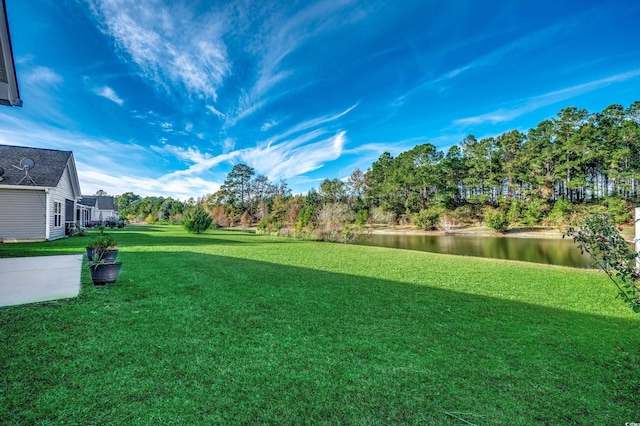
x=98 y=209
x=9 y=93
x=39 y=193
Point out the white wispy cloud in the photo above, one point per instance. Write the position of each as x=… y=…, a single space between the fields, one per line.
x=268 y=124
x=280 y=36
x=166 y=126
x=117 y=167
x=214 y=111
x=293 y=158
x=305 y=147
x=109 y=93
x=517 y=48
x=525 y=106
x=169 y=44
x=198 y=162
x=42 y=76
x=312 y=123
x=93 y=179
x=228 y=144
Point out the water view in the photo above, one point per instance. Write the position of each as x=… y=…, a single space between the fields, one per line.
x=548 y=251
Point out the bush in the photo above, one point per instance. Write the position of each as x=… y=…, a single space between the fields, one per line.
x=496 y=220
x=467 y=214
x=617 y=208
x=246 y=220
x=75 y=230
x=561 y=212
x=598 y=236
x=269 y=225
x=220 y=217
x=331 y=219
x=304 y=225
x=361 y=217
x=534 y=212
x=197 y=220
x=381 y=216
x=354 y=234
x=426 y=219
x=514 y=214
x=446 y=223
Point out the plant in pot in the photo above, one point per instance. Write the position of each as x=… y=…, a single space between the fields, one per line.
x=102 y=254
x=102 y=246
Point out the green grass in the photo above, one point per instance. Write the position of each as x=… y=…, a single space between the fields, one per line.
x=233 y=328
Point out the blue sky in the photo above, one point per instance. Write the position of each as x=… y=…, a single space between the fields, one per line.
x=163 y=97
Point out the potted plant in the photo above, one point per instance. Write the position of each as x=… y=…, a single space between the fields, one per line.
x=104 y=272
x=102 y=254
x=103 y=247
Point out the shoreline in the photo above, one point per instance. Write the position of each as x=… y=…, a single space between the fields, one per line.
x=537 y=232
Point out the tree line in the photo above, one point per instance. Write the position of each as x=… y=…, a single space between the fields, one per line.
x=565 y=166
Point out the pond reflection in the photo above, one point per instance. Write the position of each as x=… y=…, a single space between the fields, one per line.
x=549 y=251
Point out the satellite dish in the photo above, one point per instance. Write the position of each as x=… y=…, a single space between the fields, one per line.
x=1 y=173
x=26 y=164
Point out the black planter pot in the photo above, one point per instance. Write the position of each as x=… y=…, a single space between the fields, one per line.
x=102 y=255
x=104 y=273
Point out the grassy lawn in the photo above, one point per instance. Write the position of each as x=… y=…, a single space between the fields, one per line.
x=232 y=328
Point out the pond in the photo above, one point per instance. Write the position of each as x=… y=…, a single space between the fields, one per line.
x=549 y=251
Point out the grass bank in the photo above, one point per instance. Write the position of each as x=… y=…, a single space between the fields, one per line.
x=231 y=327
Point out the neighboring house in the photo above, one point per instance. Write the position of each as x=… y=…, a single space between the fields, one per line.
x=39 y=193
x=98 y=209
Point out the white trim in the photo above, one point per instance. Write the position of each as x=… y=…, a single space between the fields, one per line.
x=10 y=93
x=47 y=215
x=27 y=187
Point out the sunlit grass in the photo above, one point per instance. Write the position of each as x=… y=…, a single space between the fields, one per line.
x=231 y=327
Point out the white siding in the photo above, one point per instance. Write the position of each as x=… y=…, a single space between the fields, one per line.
x=22 y=214
x=63 y=192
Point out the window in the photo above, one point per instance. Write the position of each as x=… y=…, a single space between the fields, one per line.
x=57 y=214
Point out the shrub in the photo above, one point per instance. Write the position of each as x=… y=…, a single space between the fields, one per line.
x=361 y=217
x=446 y=223
x=426 y=219
x=220 y=217
x=304 y=225
x=103 y=242
x=534 y=212
x=197 y=220
x=561 y=213
x=468 y=214
x=354 y=233
x=331 y=219
x=617 y=208
x=246 y=220
x=382 y=216
x=269 y=225
x=75 y=230
x=598 y=236
x=496 y=220
x=514 y=214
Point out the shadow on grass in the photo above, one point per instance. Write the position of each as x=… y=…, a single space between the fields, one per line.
x=200 y=338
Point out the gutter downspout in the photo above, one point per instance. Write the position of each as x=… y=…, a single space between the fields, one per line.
x=47 y=215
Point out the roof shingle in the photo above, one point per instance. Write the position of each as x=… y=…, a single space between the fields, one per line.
x=48 y=169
